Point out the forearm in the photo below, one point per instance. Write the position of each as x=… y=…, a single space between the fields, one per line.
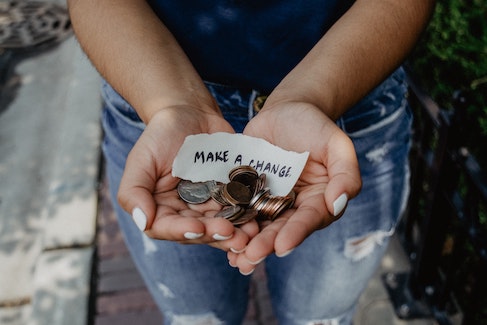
x=137 y=55
x=356 y=54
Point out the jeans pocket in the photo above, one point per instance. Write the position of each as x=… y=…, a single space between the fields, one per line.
x=118 y=105
x=380 y=107
x=121 y=125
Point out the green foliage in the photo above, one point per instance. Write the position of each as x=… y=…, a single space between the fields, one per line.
x=452 y=55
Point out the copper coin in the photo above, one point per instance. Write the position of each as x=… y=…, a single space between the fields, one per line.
x=245 y=175
x=236 y=193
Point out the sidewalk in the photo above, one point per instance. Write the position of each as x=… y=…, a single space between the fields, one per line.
x=51 y=201
x=49 y=157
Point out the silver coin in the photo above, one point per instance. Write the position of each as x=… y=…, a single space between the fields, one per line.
x=260 y=183
x=216 y=194
x=259 y=197
x=248 y=215
x=229 y=212
x=193 y=192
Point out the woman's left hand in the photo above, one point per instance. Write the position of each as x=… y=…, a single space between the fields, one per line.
x=330 y=178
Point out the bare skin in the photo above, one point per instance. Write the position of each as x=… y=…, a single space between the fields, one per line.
x=154 y=75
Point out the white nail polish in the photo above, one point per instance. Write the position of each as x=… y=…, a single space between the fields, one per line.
x=220 y=237
x=236 y=251
x=285 y=253
x=340 y=204
x=248 y=273
x=140 y=218
x=257 y=262
x=192 y=235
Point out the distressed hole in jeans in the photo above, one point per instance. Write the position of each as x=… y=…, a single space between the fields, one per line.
x=377 y=155
x=167 y=293
x=357 y=248
x=203 y=319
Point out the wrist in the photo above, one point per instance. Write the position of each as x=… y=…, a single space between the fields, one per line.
x=152 y=108
x=320 y=98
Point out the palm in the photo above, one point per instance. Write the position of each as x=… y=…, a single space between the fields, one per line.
x=331 y=170
x=148 y=182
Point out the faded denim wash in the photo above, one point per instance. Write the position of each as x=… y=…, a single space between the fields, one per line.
x=322 y=279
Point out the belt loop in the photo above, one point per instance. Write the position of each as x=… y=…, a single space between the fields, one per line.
x=258 y=102
x=341 y=124
x=253 y=96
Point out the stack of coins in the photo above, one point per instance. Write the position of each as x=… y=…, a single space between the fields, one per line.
x=237 y=215
x=271 y=206
x=244 y=197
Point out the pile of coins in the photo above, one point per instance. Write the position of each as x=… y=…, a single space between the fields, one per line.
x=244 y=198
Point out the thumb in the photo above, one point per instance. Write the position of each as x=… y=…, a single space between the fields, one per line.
x=135 y=191
x=345 y=181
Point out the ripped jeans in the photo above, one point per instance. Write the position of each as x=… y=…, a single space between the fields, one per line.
x=322 y=279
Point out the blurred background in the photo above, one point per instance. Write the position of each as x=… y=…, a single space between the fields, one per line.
x=62 y=258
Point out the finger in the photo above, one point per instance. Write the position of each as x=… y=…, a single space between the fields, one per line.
x=237 y=241
x=260 y=246
x=190 y=226
x=303 y=221
x=236 y=244
x=244 y=267
x=251 y=228
x=232 y=258
x=177 y=226
x=218 y=229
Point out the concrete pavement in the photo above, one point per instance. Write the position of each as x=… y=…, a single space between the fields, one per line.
x=49 y=157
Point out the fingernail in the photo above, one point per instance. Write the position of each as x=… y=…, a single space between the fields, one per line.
x=236 y=251
x=340 y=204
x=256 y=262
x=248 y=273
x=192 y=235
x=220 y=237
x=140 y=218
x=286 y=253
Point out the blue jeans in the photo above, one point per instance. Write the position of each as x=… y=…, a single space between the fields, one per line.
x=322 y=279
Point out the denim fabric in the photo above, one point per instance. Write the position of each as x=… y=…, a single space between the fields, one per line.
x=321 y=280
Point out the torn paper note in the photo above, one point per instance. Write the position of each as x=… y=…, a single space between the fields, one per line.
x=205 y=157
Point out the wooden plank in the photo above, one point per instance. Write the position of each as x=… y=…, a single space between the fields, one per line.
x=126 y=301
x=146 y=318
x=122 y=263
x=120 y=281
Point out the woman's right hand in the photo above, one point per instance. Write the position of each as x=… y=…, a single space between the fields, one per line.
x=148 y=189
